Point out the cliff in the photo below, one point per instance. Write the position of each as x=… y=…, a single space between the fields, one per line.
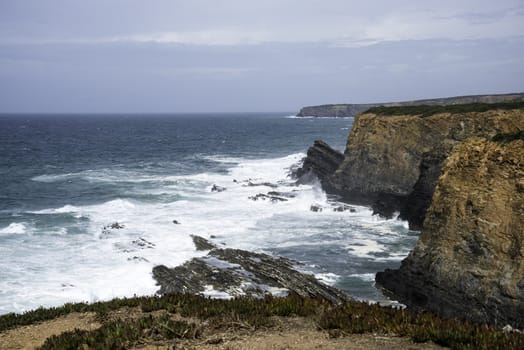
x=393 y=161
x=469 y=260
x=352 y=110
x=321 y=161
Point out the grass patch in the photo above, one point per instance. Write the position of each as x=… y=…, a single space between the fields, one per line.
x=252 y=314
x=427 y=110
x=420 y=327
x=120 y=334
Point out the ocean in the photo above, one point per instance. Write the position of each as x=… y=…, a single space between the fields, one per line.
x=89 y=204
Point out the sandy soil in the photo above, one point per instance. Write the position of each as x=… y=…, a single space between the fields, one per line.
x=291 y=333
x=32 y=336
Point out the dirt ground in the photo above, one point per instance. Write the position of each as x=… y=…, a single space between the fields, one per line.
x=294 y=333
x=32 y=336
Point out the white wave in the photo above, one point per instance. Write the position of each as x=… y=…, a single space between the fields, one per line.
x=364 y=247
x=14 y=228
x=210 y=292
x=328 y=278
x=101 y=262
x=65 y=209
x=367 y=277
x=50 y=178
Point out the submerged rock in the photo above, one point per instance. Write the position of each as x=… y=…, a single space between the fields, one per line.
x=143 y=243
x=469 y=260
x=202 y=243
x=256 y=184
x=238 y=272
x=315 y=208
x=272 y=198
x=343 y=207
x=216 y=188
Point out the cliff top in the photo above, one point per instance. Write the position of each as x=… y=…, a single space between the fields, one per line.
x=351 y=110
x=429 y=110
x=196 y=322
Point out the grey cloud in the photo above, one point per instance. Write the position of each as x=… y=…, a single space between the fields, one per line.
x=232 y=55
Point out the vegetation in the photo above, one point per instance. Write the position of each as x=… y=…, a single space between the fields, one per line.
x=519 y=135
x=119 y=334
x=161 y=321
x=427 y=110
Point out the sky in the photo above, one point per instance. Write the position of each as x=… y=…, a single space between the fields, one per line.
x=172 y=56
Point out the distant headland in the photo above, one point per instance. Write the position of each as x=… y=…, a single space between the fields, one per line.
x=349 y=110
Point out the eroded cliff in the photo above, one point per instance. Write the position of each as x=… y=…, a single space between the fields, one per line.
x=391 y=161
x=469 y=260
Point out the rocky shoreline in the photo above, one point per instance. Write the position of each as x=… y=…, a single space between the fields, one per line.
x=438 y=169
x=229 y=273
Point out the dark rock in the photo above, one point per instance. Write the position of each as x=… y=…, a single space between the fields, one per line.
x=116 y=226
x=322 y=161
x=282 y=194
x=137 y=259
x=202 y=243
x=342 y=208
x=217 y=188
x=315 y=208
x=262 y=196
x=143 y=243
x=418 y=201
x=386 y=205
x=256 y=184
x=176 y=222
x=469 y=260
x=239 y=272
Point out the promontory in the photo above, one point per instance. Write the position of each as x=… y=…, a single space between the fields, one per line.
x=457 y=174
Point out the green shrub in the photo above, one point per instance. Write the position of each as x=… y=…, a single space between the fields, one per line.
x=428 y=110
x=252 y=314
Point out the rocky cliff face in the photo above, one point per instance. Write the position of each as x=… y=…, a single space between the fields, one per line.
x=322 y=161
x=392 y=158
x=351 y=110
x=469 y=260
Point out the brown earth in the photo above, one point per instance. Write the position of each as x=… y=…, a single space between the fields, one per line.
x=33 y=336
x=289 y=333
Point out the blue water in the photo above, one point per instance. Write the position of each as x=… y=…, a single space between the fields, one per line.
x=66 y=178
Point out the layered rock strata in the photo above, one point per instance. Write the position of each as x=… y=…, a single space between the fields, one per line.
x=392 y=162
x=469 y=260
x=321 y=161
x=235 y=272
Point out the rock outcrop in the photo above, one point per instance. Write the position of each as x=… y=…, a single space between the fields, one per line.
x=322 y=161
x=352 y=110
x=392 y=162
x=235 y=272
x=469 y=260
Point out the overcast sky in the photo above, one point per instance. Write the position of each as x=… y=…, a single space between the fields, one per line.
x=252 y=55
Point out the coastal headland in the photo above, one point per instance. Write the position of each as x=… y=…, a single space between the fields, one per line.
x=455 y=173
x=350 y=110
